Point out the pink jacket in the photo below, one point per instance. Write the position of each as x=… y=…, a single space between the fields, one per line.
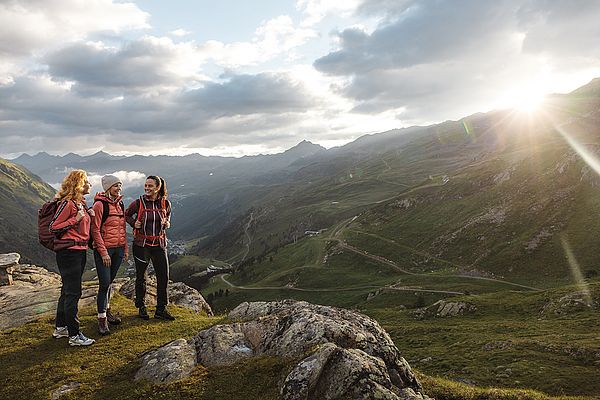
x=67 y=219
x=112 y=233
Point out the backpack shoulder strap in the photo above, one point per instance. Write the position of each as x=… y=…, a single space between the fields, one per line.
x=140 y=208
x=105 y=212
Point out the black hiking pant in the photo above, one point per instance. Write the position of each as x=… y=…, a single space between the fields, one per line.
x=71 y=264
x=142 y=257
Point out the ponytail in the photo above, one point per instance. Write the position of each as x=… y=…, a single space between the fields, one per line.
x=162 y=191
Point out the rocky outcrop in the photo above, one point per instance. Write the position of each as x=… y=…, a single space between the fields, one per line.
x=179 y=294
x=443 y=309
x=570 y=303
x=34 y=293
x=333 y=372
x=343 y=354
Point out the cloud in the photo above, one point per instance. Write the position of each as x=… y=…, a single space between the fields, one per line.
x=128 y=178
x=272 y=38
x=251 y=94
x=432 y=60
x=316 y=10
x=48 y=114
x=180 y=32
x=146 y=63
x=561 y=29
x=49 y=22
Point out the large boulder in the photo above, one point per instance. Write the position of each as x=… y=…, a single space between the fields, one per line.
x=333 y=372
x=343 y=354
x=171 y=362
x=179 y=294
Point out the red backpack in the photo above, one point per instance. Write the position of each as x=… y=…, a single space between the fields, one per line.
x=46 y=216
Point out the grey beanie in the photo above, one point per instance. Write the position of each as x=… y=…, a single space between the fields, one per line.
x=108 y=181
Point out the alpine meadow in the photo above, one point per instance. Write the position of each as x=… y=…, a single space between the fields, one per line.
x=371 y=200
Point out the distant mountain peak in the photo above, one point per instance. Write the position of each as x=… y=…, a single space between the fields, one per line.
x=305 y=146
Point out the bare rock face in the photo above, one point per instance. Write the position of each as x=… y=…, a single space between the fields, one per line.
x=333 y=372
x=32 y=276
x=171 y=362
x=34 y=293
x=343 y=354
x=179 y=293
x=443 y=309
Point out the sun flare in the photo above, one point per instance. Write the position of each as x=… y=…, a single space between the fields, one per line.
x=529 y=102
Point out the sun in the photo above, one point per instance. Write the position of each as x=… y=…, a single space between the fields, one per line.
x=529 y=102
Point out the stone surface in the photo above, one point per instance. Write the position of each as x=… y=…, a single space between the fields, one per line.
x=171 y=362
x=443 y=309
x=9 y=259
x=64 y=389
x=343 y=354
x=7 y=263
x=34 y=293
x=336 y=373
x=570 y=303
x=179 y=293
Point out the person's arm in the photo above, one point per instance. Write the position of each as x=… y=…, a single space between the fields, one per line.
x=125 y=246
x=167 y=221
x=68 y=216
x=131 y=211
x=98 y=208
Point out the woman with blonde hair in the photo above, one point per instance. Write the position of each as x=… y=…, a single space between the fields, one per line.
x=71 y=225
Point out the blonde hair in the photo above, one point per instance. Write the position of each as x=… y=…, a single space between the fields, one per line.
x=72 y=186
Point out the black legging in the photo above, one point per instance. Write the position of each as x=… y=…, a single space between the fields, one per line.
x=142 y=256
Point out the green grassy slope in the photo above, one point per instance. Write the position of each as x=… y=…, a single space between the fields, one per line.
x=21 y=195
x=33 y=364
x=499 y=194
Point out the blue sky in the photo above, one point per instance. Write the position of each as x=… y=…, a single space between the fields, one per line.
x=225 y=20
x=239 y=78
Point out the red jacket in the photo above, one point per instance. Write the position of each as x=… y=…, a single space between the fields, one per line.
x=112 y=233
x=66 y=221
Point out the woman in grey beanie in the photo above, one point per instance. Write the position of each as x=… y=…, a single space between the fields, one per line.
x=110 y=246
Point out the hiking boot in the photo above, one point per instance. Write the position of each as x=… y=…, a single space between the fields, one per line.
x=60 y=332
x=143 y=313
x=163 y=313
x=112 y=318
x=80 y=340
x=103 y=326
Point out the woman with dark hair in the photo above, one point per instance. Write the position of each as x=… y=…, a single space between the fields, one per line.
x=150 y=216
x=72 y=224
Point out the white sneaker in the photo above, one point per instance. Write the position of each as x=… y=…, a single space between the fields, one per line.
x=60 y=331
x=80 y=340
